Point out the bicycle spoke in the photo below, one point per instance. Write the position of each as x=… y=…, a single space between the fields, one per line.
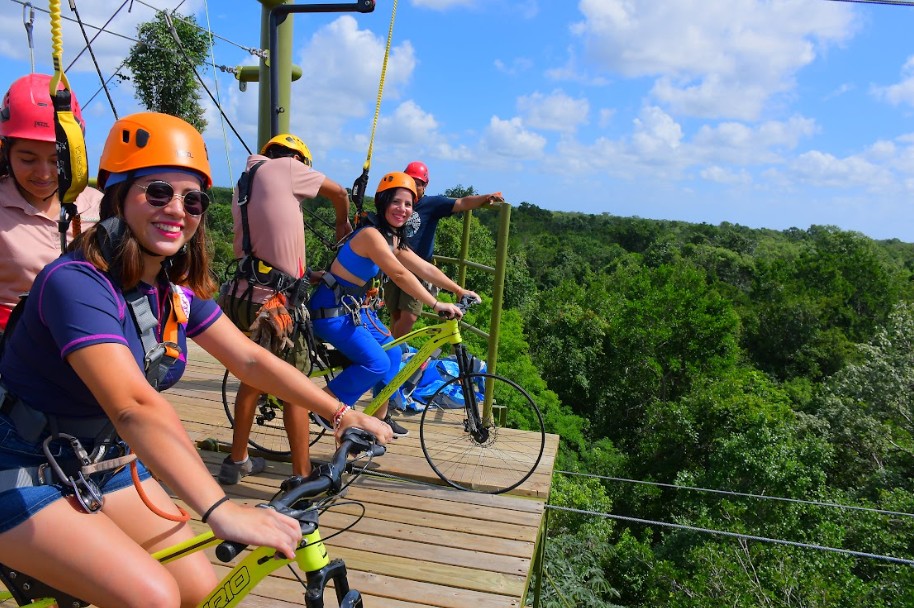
x=497 y=460
x=267 y=432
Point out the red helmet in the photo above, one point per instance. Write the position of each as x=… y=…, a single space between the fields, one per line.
x=27 y=111
x=417 y=170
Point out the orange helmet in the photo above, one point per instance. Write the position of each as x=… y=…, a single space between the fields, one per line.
x=417 y=170
x=151 y=139
x=397 y=180
x=287 y=140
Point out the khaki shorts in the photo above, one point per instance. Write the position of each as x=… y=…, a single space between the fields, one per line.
x=242 y=313
x=397 y=299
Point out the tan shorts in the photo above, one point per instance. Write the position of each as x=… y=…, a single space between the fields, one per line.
x=242 y=313
x=397 y=299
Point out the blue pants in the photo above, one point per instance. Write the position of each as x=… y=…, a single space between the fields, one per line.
x=362 y=345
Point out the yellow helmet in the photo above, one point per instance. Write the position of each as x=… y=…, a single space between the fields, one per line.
x=287 y=140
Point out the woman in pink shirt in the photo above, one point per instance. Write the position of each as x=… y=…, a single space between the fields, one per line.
x=29 y=203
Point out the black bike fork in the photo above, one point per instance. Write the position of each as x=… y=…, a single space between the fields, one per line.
x=317 y=582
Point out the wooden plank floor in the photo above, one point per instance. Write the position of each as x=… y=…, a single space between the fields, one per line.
x=419 y=544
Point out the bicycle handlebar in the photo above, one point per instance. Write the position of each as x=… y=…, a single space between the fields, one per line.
x=324 y=479
x=464 y=304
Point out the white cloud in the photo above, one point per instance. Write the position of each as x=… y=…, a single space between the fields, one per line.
x=901 y=93
x=722 y=175
x=717 y=59
x=739 y=143
x=826 y=170
x=341 y=65
x=510 y=138
x=408 y=124
x=656 y=133
x=554 y=112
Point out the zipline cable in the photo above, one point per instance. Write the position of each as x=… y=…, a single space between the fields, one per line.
x=97 y=34
x=212 y=55
x=174 y=34
x=743 y=494
x=740 y=535
x=98 y=70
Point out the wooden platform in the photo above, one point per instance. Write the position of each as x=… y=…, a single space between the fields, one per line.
x=419 y=543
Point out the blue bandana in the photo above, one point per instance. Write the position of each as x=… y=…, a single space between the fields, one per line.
x=116 y=178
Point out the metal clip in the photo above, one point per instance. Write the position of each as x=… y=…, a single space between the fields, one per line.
x=87 y=492
x=353 y=307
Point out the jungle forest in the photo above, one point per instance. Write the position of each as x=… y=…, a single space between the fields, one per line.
x=704 y=380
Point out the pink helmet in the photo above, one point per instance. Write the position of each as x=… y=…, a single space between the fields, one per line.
x=417 y=170
x=27 y=111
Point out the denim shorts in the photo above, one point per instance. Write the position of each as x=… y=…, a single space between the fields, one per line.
x=19 y=504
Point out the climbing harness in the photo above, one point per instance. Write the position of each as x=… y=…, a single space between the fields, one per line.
x=107 y=455
x=255 y=271
x=351 y=299
x=259 y=273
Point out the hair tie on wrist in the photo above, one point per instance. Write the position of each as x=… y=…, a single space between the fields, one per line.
x=213 y=508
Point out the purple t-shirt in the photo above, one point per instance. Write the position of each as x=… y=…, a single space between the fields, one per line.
x=72 y=305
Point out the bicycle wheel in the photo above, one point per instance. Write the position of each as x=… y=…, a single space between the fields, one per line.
x=267 y=433
x=499 y=456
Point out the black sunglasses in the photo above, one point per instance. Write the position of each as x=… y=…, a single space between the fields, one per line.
x=159 y=194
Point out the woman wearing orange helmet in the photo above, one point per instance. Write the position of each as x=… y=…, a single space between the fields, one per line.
x=77 y=365
x=335 y=305
x=29 y=202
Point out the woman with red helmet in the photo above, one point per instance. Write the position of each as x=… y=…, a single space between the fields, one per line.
x=335 y=306
x=29 y=202
x=75 y=369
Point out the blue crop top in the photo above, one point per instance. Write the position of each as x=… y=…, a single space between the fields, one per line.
x=358 y=265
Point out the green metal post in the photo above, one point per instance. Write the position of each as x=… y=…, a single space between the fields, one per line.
x=498 y=296
x=284 y=69
x=464 y=249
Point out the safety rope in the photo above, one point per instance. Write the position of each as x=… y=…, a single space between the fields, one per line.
x=72 y=160
x=360 y=185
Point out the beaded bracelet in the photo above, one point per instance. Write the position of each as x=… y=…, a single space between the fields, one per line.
x=213 y=508
x=338 y=416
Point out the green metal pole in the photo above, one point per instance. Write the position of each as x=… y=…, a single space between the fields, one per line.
x=284 y=69
x=464 y=249
x=498 y=295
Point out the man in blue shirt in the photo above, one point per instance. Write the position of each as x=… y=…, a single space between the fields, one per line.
x=420 y=235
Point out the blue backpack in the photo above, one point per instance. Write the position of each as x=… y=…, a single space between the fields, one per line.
x=418 y=391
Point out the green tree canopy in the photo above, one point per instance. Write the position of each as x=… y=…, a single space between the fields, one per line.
x=163 y=71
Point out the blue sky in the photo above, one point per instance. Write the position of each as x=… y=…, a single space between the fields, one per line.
x=765 y=113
